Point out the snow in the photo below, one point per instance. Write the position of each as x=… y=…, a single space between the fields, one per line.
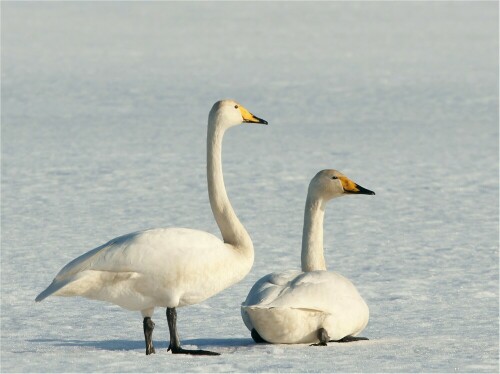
x=104 y=109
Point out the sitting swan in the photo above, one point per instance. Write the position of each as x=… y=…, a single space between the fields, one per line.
x=169 y=267
x=312 y=305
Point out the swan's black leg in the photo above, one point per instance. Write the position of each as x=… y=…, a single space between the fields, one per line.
x=349 y=338
x=175 y=345
x=323 y=337
x=148 y=325
x=256 y=337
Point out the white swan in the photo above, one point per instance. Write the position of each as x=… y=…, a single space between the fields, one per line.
x=169 y=267
x=312 y=305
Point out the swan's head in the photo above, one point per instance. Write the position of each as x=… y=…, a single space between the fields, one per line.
x=329 y=183
x=229 y=113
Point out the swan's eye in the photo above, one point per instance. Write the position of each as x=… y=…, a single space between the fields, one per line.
x=334 y=177
x=236 y=107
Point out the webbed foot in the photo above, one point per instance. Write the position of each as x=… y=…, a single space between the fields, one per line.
x=175 y=345
x=349 y=338
x=194 y=352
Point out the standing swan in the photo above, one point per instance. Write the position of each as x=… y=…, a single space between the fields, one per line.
x=312 y=305
x=169 y=267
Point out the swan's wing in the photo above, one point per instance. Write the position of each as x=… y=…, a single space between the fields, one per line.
x=269 y=287
x=324 y=291
x=90 y=258
x=71 y=270
x=265 y=291
x=149 y=251
x=317 y=290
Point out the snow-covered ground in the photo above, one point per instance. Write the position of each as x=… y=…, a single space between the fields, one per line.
x=104 y=109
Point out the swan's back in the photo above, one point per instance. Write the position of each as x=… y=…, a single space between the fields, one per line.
x=289 y=307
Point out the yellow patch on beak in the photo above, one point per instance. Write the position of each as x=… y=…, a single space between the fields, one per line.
x=249 y=117
x=349 y=185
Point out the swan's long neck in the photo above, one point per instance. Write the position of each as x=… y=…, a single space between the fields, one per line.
x=230 y=226
x=312 y=237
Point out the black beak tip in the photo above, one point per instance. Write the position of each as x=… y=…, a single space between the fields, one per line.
x=256 y=119
x=365 y=191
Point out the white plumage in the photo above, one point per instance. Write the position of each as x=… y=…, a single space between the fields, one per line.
x=169 y=267
x=165 y=267
x=301 y=306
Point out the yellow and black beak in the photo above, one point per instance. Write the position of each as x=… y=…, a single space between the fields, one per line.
x=352 y=188
x=249 y=117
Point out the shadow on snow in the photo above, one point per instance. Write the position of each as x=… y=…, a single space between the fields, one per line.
x=129 y=345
